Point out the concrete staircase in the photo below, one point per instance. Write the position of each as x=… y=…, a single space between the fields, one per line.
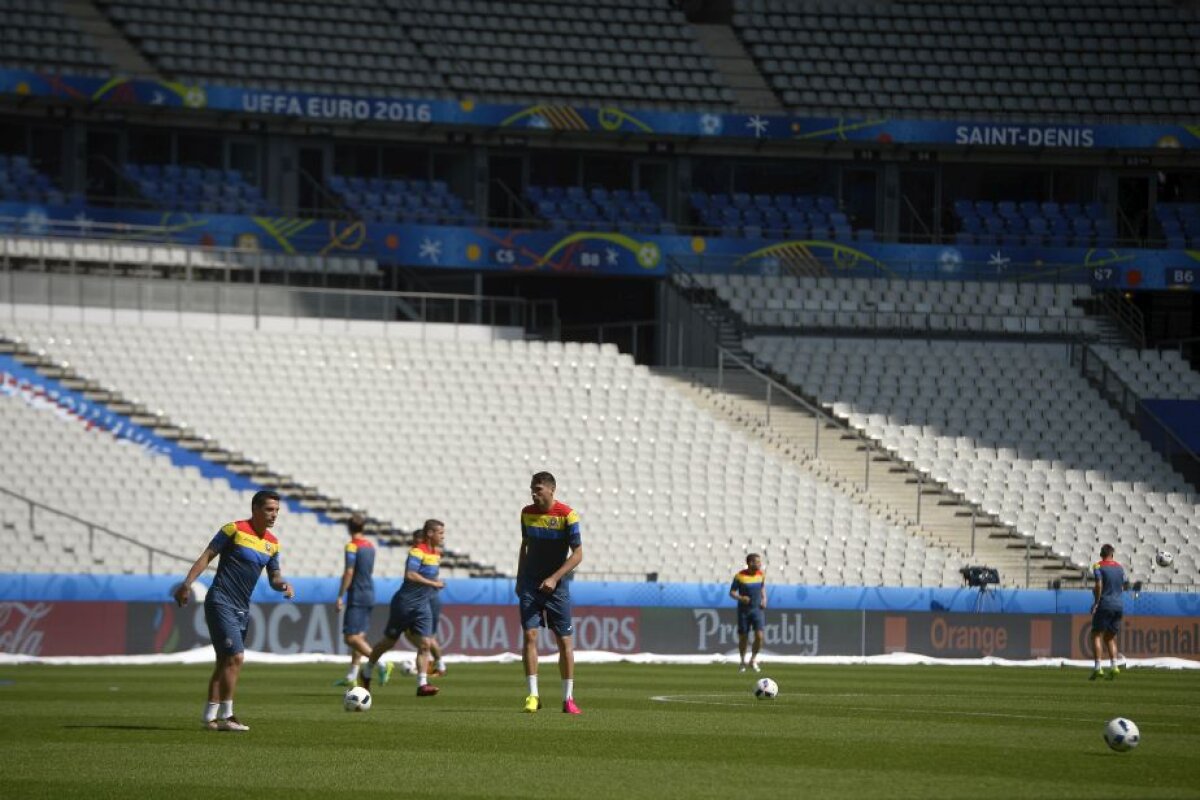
x=109 y=40
x=861 y=468
x=734 y=64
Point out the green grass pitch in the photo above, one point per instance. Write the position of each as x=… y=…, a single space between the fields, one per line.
x=855 y=731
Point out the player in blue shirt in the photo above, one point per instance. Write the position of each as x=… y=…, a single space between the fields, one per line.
x=358 y=589
x=550 y=549
x=410 y=615
x=245 y=547
x=749 y=588
x=1107 y=610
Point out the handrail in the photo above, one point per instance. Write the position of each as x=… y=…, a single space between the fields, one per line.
x=92 y=527
x=1126 y=315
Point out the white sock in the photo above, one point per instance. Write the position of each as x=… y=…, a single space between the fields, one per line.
x=226 y=709
x=210 y=712
x=1096 y=665
x=568 y=688
x=353 y=673
x=441 y=665
x=532 y=681
x=422 y=679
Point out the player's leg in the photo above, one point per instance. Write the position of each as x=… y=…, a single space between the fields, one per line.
x=1110 y=644
x=1097 y=650
x=381 y=647
x=532 y=608
x=227 y=629
x=758 y=642
x=354 y=628
x=438 y=666
x=743 y=629
x=424 y=687
x=558 y=618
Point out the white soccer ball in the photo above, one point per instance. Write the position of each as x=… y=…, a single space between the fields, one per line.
x=766 y=689
x=1121 y=734
x=357 y=699
x=408 y=667
x=1163 y=558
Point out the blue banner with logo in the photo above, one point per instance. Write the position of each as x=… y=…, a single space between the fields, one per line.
x=637 y=122
x=614 y=253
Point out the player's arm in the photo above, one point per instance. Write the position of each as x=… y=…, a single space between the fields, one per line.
x=183 y=592
x=347 y=576
x=416 y=577
x=762 y=603
x=520 y=562
x=275 y=577
x=1097 y=587
x=735 y=594
x=573 y=561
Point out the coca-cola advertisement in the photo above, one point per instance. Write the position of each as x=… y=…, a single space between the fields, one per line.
x=62 y=629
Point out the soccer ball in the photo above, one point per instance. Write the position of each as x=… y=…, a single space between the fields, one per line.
x=357 y=699
x=408 y=667
x=1121 y=734
x=766 y=689
x=1163 y=558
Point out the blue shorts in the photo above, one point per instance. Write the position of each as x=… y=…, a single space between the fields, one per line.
x=356 y=619
x=407 y=616
x=226 y=628
x=552 y=611
x=1107 y=621
x=749 y=619
x=435 y=611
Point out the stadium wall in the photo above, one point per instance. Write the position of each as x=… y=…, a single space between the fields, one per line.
x=93 y=615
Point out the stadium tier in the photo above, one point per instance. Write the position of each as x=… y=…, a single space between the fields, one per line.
x=774 y=216
x=1152 y=374
x=409 y=429
x=597 y=209
x=20 y=182
x=401 y=200
x=968 y=307
x=1029 y=223
x=182 y=188
x=40 y=35
x=1012 y=427
x=1029 y=60
x=1180 y=223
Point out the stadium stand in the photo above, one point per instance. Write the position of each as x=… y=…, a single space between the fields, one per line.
x=967 y=307
x=774 y=216
x=117 y=485
x=1012 y=427
x=1161 y=375
x=1117 y=60
x=401 y=200
x=1180 y=223
x=663 y=485
x=512 y=52
x=597 y=209
x=619 y=51
x=1033 y=224
x=187 y=188
x=39 y=35
x=20 y=182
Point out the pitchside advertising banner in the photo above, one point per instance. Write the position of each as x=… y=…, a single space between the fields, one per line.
x=117 y=628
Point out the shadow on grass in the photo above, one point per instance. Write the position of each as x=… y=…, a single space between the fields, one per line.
x=111 y=727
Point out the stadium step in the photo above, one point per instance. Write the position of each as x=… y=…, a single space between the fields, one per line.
x=750 y=90
x=109 y=40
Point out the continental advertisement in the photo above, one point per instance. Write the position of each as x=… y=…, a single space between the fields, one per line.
x=68 y=628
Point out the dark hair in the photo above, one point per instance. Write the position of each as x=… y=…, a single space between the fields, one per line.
x=261 y=497
x=356 y=523
x=750 y=556
x=430 y=524
x=544 y=478
x=1106 y=551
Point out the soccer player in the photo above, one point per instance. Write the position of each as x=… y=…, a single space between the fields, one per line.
x=358 y=589
x=410 y=610
x=749 y=588
x=550 y=549
x=435 y=612
x=244 y=547
x=1108 y=607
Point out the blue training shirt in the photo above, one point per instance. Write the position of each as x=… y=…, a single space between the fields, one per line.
x=1112 y=584
x=360 y=557
x=243 y=554
x=749 y=584
x=425 y=561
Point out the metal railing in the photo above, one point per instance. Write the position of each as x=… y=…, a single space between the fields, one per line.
x=92 y=528
x=1127 y=316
